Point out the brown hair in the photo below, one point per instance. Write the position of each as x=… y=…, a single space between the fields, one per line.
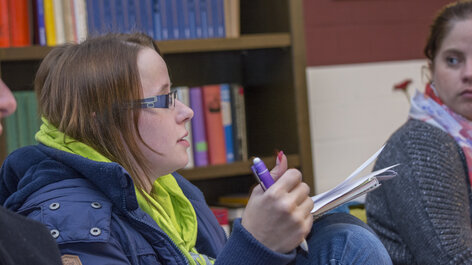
x=83 y=90
x=443 y=23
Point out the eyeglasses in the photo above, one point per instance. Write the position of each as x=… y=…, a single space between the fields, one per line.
x=166 y=101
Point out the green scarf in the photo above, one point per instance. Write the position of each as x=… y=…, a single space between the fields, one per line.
x=166 y=203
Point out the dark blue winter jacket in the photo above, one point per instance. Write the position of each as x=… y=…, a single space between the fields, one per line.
x=91 y=209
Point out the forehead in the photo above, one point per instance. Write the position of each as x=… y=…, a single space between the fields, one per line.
x=459 y=36
x=152 y=71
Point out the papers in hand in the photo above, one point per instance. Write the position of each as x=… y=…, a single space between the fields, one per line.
x=352 y=187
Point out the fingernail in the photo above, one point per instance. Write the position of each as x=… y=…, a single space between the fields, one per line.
x=279 y=157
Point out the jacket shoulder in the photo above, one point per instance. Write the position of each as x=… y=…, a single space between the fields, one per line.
x=72 y=210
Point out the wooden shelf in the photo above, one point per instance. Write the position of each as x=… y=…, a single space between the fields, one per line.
x=245 y=42
x=233 y=169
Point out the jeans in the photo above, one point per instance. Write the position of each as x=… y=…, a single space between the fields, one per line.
x=342 y=239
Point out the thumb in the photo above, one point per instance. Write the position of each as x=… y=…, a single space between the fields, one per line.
x=281 y=166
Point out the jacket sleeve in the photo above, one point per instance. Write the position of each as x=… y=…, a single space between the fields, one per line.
x=427 y=203
x=243 y=248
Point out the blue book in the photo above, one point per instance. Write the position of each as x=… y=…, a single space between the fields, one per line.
x=133 y=25
x=174 y=20
x=107 y=20
x=93 y=17
x=227 y=121
x=146 y=17
x=210 y=18
x=40 y=22
x=119 y=16
x=192 y=18
x=157 y=19
x=219 y=18
x=203 y=14
x=164 y=20
x=184 y=23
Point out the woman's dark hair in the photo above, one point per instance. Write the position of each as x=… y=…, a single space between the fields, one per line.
x=443 y=24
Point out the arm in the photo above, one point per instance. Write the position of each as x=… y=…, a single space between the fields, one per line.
x=428 y=200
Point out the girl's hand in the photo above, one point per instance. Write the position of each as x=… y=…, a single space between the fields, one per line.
x=280 y=217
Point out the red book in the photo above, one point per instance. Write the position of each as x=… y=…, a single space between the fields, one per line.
x=4 y=24
x=19 y=23
x=214 y=124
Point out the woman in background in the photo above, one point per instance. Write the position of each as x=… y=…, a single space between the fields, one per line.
x=423 y=216
x=103 y=177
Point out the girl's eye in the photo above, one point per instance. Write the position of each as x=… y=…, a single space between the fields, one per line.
x=452 y=60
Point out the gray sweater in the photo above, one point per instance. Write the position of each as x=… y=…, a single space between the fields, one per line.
x=423 y=215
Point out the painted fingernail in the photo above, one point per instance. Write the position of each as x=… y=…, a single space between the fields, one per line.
x=279 y=157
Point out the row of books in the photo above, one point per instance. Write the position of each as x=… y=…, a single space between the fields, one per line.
x=53 y=22
x=217 y=132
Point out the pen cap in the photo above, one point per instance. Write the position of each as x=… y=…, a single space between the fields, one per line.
x=262 y=173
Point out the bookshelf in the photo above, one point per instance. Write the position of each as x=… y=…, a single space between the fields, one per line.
x=268 y=59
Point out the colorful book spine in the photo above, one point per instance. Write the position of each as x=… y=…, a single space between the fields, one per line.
x=164 y=19
x=227 y=121
x=40 y=28
x=192 y=18
x=49 y=22
x=59 y=22
x=133 y=25
x=69 y=21
x=214 y=124
x=203 y=15
x=19 y=23
x=239 y=123
x=157 y=19
x=210 y=6
x=184 y=26
x=219 y=18
x=183 y=95
x=146 y=18
x=173 y=20
x=200 y=146
x=80 y=12
x=4 y=24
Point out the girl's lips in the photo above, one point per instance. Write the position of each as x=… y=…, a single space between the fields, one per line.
x=467 y=94
x=184 y=142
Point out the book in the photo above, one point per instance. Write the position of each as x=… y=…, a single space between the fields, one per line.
x=352 y=187
x=219 y=18
x=231 y=17
x=49 y=22
x=39 y=31
x=19 y=23
x=214 y=124
x=183 y=95
x=239 y=123
x=157 y=19
x=4 y=24
x=227 y=121
x=59 y=21
x=69 y=21
x=80 y=14
x=200 y=146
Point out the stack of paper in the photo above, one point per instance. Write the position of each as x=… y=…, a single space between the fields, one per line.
x=352 y=187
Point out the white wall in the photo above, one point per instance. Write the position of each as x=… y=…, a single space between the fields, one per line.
x=353 y=111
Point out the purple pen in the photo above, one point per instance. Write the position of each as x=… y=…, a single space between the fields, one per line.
x=265 y=179
x=262 y=173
